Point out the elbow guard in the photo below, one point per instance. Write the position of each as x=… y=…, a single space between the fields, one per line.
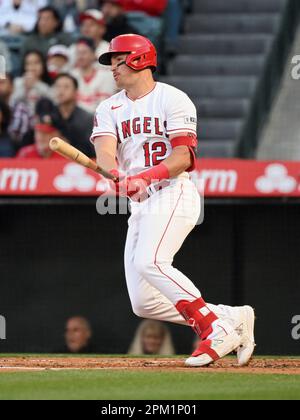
x=191 y=142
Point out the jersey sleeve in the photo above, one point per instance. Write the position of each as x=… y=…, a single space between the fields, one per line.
x=104 y=124
x=181 y=114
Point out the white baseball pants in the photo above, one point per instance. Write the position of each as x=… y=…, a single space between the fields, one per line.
x=157 y=229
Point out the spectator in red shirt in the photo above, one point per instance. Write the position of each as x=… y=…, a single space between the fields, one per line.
x=151 y=7
x=43 y=133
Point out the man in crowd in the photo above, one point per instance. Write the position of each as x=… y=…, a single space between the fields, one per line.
x=116 y=19
x=48 y=32
x=93 y=25
x=43 y=133
x=78 y=335
x=75 y=123
x=58 y=60
x=95 y=84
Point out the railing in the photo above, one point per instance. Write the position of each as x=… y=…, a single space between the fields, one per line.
x=269 y=83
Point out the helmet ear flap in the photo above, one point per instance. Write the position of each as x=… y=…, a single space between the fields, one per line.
x=144 y=60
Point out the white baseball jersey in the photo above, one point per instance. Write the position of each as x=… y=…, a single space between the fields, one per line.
x=143 y=127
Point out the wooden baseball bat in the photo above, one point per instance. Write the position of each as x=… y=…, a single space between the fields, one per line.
x=66 y=150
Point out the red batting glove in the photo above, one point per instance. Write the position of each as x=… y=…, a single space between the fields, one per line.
x=135 y=187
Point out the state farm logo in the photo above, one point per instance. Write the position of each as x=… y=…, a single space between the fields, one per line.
x=18 y=179
x=216 y=180
x=73 y=178
x=276 y=179
x=76 y=178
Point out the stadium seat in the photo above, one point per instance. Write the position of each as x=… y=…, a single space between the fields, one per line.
x=214 y=65
x=221 y=108
x=214 y=87
x=216 y=148
x=238 y=23
x=238 y=6
x=222 y=55
x=224 y=44
x=227 y=129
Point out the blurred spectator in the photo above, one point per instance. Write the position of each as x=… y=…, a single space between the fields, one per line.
x=152 y=338
x=78 y=336
x=95 y=84
x=6 y=145
x=58 y=60
x=71 y=9
x=33 y=84
x=19 y=16
x=4 y=52
x=21 y=119
x=196 y=343
x=151 y=7
x=76 y=124
x=6 y=89
x=173 y=17
x=92 y=25
x=47 y=32
x=43 y=133
x=116 y=19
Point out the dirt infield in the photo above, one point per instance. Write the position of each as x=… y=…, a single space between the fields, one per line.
x=257 y=365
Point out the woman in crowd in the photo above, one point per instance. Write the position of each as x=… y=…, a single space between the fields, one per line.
x=34 y=82
x=152 y=338
x=6 y=144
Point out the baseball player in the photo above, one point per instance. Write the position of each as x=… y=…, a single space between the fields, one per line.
x=146 y=135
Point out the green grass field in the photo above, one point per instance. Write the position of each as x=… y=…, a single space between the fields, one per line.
x=147 y=385
x=110 y=385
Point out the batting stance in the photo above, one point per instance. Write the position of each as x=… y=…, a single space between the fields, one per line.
x=146 y=136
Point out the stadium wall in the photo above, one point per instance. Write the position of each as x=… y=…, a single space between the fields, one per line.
x=59 y=258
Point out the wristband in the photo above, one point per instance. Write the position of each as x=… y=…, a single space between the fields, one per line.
x=157 y=173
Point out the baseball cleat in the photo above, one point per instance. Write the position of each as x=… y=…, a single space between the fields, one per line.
x=223 y=341
x=246 y=333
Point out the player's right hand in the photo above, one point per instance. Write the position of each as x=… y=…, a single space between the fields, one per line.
x=133 y=188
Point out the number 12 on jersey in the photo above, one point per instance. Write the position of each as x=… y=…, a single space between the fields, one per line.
x=154 y=153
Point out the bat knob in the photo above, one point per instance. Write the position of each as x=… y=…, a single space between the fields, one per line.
x=54 y=144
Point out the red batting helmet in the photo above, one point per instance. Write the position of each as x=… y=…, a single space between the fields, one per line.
x=138 y=47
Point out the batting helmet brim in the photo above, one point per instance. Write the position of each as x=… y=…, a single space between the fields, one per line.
x=105 y=59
